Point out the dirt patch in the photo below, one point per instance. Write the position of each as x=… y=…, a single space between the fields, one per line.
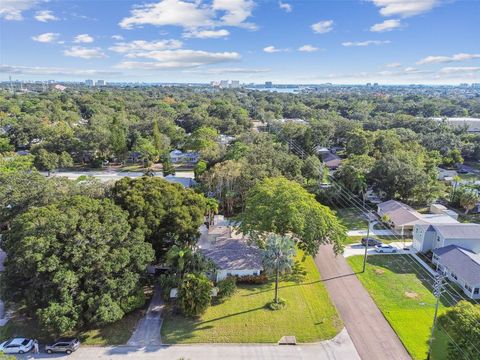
x=411 y=295
x=379 y=271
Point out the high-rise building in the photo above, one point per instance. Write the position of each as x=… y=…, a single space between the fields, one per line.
x=268 y=84
x=235 y=84
x=89 y=82
x=224 y=84
x=100 y=83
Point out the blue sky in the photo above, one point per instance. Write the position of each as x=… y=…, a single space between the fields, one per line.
x=315 y=41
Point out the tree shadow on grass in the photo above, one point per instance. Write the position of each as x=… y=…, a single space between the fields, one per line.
x=280 y=287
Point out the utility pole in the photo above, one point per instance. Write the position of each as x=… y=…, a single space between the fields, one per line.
x=437 y=291
x=366 y=243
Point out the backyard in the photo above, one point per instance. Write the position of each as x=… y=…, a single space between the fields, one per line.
x=352 y=219
x=399 y=287
x=309 y=315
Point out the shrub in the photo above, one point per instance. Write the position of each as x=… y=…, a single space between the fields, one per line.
x=194 y=294
x=252 y=279
x=167 y=282
x=226 y=288
x=272 y=305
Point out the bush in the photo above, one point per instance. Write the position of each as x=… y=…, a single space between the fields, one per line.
x=167 y=282
x=194 y=294
x=226 y=288
x=252 y=279
x=272 y=305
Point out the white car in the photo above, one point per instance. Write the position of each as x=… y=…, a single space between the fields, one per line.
x=16 y=346
x=383 y=248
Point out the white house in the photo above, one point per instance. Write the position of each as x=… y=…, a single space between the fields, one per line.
x=234 y=257
x=434 y=236
x=178 y=156
x=461 y=266
x=402 y=218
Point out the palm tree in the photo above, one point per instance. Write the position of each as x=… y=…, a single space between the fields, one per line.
x=278 y=257
x=468 y=199
x=212 y=209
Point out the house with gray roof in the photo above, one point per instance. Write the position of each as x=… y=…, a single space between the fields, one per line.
x=234 y=257
x=461 y=266
x=434 y=236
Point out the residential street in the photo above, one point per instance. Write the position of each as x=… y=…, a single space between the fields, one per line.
x=148 y=329
x=339 y=348
x=370 y=332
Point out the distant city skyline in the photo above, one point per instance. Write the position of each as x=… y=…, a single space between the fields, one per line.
x=295 y=42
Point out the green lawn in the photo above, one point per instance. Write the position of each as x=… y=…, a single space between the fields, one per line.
x=351 y=219
x=405 y=300
x=309 y=315
x=116 y=333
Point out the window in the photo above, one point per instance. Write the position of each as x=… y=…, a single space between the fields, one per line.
x=438 y=238
x=255 y=273
x=454 y=276
x=476 y=290
x=468 y=288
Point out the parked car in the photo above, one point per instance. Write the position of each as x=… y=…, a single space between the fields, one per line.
x=371 y=241
x=16 y=346
x=385 y=248
x=63 y=345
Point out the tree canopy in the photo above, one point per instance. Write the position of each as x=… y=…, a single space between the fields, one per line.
x=280 y=206
x=75 y=263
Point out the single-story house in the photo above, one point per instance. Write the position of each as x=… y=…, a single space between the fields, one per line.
x=434 y=236
x=178 y=156
x=461 y=266
x=402 y=218
x=444 y=174
x=234 y=257
x=331 y=161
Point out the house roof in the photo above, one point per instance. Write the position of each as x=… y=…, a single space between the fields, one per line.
x=399 y=213
x=462 y=262
x=458 y=231
x=234 y=254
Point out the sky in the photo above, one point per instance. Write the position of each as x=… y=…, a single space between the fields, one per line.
x=288 y=41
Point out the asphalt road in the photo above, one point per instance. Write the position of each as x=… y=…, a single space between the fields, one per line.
x=339 y=348
x=371 y=334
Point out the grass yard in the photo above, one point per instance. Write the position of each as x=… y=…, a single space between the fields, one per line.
x=116 y=333
x=351 y=219
x=405 y=299
x=309 y=315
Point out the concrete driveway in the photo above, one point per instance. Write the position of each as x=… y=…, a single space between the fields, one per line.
x=148 y=328
x=359 y=249
x=339 y=348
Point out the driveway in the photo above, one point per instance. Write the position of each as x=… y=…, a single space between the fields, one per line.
x=147 y=331
x=371 y=334
x=359 y=249
x=339 y=348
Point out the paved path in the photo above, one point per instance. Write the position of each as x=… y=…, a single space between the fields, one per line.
x=359 y=249
x=339 y=348
x=372 y=335
x=147 y=331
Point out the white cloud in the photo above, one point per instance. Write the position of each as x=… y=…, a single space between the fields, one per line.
x=323 y=26
x=191 y=14
x=387 y=25
x=272 y=49
x=46 y=37
x=365 y=43
x=142 y=45
x=218 y=71
x=307 y=48
x=447 y=59
x=84 y=53
x=117 y=37
x=83 y=38
x=177 y=59
x=45 y=16
x=393 y=65
x=285 y=6
x=236 y=12
x=39 y=70
x=465 y=69
x=12 y=9
x=405 y=8
x=206 y=34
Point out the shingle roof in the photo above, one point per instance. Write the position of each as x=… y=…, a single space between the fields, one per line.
x=233 y=254
x=399 y=213
x=463 y=263
x=459 y=231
